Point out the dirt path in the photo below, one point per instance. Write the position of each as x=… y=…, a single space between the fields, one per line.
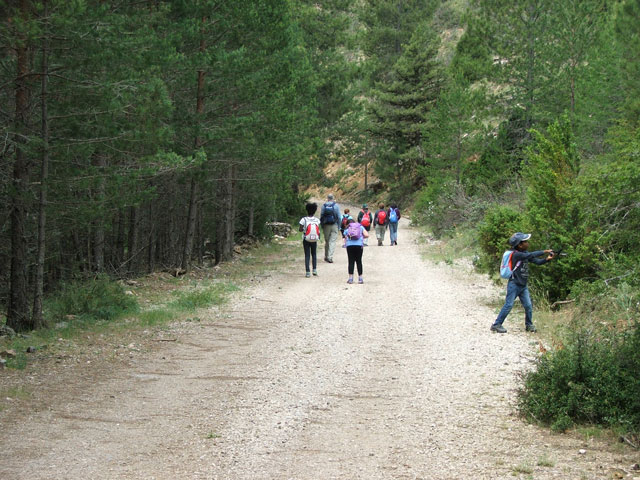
x=314 y=379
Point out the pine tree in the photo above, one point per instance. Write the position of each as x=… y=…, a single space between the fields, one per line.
x=401 y=106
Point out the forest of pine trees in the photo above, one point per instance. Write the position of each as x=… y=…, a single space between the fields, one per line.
x=146 y=135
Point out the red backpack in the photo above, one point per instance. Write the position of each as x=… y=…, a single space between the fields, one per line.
x=366 y=219
x=382 y=217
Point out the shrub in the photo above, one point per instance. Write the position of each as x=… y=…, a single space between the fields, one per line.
x=593 y=379
x=99 y=298
x=498 y=225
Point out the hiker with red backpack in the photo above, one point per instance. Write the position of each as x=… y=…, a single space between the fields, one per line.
x=310 y=228
x=380 y=224
x=365 y=219
x=393 y=217
x=354 y=237
x=515 y=267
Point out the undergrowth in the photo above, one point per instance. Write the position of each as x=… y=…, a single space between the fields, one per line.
x=103 y=305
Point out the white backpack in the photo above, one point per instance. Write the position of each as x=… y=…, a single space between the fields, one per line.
x=311 y=232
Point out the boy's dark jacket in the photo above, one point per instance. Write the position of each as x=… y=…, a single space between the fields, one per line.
x=521 y=273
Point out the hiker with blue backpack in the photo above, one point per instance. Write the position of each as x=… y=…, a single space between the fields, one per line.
x=354 y=237
x=393 y=217
x=330 y=219
x=310 y=228
x=515 y=267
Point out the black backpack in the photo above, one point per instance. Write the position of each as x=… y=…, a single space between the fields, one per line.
x=328 y=216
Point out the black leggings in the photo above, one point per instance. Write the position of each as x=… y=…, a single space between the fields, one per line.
x=354 y=253
x=310 y=249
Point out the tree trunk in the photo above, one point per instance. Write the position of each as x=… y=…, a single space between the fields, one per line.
x=120 y=243
x=18 y=315
x=153 y=240
x=191 y=225
x=193 y=197
x=366 y=176
x=98 y=227
x=133 y=240
x=252 y=210
x=37 y=317
x=226 y=222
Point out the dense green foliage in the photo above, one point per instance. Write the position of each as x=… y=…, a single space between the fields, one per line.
x=593 y=380
x=146 y=135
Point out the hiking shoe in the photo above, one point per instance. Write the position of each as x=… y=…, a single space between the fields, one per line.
x=328 y=260
x=531 y=328
x=360 y=280
x=307 y=274
x=315 y=273
x=498 y=329
x=350 y=281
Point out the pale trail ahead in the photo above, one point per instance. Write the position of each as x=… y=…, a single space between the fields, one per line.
x=301 y=378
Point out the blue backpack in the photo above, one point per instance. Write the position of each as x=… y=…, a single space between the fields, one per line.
x=328 y=216
x=393 y=215
x=506 y=267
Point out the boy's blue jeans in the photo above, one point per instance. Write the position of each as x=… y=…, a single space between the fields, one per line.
x=513 y=291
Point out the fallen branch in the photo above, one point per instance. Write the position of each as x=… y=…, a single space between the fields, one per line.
x=562 y=302
x=626 y=440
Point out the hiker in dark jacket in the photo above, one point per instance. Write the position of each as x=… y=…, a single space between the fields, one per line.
x=517 y=285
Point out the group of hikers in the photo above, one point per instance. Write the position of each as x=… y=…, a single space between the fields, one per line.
x=353 y=231
x=355 y=235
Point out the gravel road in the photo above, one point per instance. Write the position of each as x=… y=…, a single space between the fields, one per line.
x=311 y=378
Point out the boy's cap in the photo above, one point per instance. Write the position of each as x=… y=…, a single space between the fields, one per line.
x=517 y=238
x=364 y=205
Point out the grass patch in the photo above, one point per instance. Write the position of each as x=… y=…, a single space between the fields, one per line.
x=523 y=468
x=151 y=318
x=546 y=461
x=188 y=301
x=18 y=393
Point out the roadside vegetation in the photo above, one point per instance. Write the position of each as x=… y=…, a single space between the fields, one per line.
x=100 y=306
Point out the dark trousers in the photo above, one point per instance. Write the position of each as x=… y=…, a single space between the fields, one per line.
x=354 y=253
x=310 y=251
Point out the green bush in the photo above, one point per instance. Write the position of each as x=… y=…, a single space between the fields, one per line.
x=100 y=298
x=593 y=379
x=499 y=223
